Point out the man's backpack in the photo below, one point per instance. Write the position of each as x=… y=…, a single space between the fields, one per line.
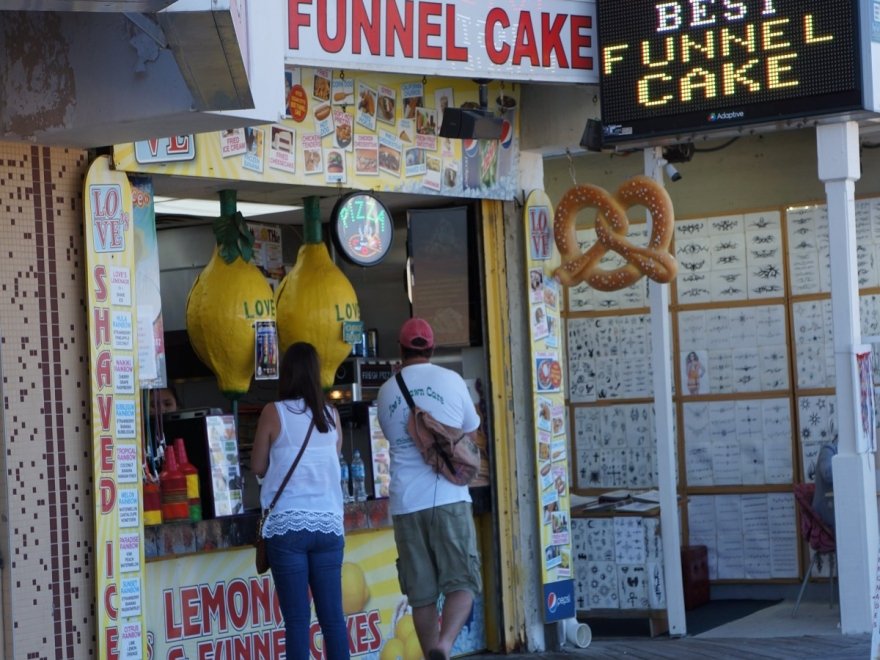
x=448 y=450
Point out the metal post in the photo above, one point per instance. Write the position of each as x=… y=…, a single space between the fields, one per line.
x=661 y=342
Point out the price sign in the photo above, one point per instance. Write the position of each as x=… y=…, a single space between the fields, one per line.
x=693 y=66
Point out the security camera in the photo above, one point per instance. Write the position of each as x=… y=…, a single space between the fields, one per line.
x=671 y=172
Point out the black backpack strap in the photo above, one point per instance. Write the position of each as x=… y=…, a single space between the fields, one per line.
x=412 y=405
x=405 y=390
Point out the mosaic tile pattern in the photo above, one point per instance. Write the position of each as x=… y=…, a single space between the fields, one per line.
x=47 y=526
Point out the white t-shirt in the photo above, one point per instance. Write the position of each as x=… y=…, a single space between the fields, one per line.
x=442 y=392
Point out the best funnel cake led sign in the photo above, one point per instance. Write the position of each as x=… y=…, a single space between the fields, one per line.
x=690 y=66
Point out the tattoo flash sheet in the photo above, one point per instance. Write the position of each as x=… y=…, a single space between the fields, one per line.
x=748 y=536
x=740 y=442
x=615 y=446
x=817 y=421
x=733 y=257
x=733 y=350
x=608 y=357
x=809 y=255
x=619 y=563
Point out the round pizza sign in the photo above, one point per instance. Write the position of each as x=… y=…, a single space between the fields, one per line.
x=362 y=228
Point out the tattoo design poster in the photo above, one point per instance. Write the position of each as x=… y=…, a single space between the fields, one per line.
x=619 y=563
x=614 y=446
x=751 y=536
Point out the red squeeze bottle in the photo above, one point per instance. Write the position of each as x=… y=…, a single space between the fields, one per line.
x=194 y=501
x=152 y=502
x=173 y=484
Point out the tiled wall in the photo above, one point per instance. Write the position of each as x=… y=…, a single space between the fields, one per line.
x=46 y=502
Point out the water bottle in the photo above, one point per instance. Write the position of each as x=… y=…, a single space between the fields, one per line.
x=358 y=477
x=343 y=468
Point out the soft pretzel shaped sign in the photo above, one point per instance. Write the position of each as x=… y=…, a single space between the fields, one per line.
x=612 y=225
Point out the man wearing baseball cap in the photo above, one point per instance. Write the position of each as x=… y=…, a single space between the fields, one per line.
x=433 y=520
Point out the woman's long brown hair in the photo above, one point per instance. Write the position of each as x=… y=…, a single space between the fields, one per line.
x=300 y=378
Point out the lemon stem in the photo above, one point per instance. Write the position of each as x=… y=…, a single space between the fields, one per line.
x=228 y=202
x=312 y=220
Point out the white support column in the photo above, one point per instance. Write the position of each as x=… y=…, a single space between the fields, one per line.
x=661 y=360
x=855 y=497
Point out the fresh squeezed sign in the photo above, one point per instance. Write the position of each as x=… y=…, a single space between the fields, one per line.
x=119 y=552
x=550 y=41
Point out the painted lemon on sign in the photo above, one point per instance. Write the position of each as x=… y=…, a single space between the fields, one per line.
x=355 y=592
x=412 y=650
x=393 y=650
x=405 y=627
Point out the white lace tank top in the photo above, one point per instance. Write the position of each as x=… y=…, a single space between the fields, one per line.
x=312 y=499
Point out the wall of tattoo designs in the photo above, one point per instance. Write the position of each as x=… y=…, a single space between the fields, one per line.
x=754 y=376
x=618 y=560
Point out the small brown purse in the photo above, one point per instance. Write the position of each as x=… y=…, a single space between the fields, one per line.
x=262 y=556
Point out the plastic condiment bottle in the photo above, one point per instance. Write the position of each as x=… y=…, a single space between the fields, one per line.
x=152 y=502
x=191 y=474
x=173 y=484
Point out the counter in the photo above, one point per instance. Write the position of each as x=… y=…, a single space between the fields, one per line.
x=204 y=598
x=173 y=539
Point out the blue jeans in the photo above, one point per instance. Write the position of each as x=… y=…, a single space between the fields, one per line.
x=303 y=559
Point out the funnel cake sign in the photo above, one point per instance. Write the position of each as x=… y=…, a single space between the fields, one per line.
x=552 y=41
x=681 y=66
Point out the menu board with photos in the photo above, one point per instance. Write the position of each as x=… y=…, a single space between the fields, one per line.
x=363 y=130
x=224 y=463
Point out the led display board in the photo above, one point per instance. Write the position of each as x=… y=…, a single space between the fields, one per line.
x=684 y=67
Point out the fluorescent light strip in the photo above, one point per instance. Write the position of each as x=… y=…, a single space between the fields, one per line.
x=210 y=208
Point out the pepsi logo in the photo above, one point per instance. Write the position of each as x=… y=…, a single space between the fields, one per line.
x=471 y=147
x=506 y=134
x=552 y=602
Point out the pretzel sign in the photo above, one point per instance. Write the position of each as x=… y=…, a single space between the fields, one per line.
x=612 y=225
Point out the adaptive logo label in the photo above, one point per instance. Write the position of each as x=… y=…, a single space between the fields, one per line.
x=726 y=116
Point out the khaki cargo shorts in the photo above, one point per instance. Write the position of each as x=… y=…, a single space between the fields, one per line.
x=437 y=553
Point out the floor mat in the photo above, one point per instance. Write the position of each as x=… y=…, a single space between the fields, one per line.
x=718 y=612
x=711 y=615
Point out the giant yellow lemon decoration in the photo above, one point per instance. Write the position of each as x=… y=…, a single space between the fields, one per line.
x=355 y=592
x=314 y=299
x=228 y=296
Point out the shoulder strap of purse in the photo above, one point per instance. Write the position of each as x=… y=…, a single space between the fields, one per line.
x=403 y=388
x=293 y=466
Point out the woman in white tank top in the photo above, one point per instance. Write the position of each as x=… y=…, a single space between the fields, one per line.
x=304 y=532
